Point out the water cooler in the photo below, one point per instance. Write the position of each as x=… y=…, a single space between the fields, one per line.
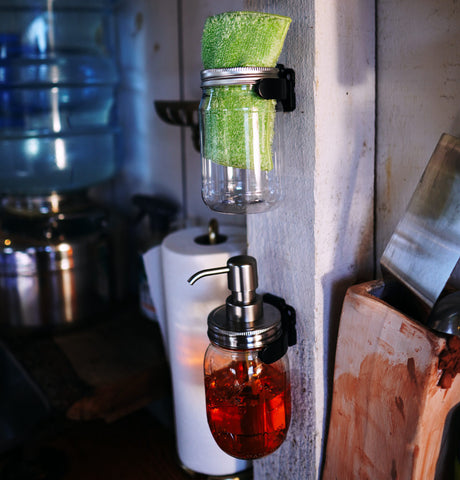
x=58 y=138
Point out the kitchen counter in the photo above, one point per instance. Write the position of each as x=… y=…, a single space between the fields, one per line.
x=105 y=369
x=110 y=406
x=135 y=447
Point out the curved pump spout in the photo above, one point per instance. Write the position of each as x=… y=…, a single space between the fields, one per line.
x=242 y=278
x=206 y=273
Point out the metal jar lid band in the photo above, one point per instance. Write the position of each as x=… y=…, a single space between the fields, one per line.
x=240 y=335
x=236 y=76
x=269 y=83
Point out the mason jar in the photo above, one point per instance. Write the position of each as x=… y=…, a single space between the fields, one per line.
x=248 y=402
x=239 y=139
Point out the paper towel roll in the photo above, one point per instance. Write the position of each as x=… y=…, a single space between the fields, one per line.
x=154 y=273
x=187 y=308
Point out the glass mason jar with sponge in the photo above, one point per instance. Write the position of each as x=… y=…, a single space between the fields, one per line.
x=240 y=167
x=240 y=132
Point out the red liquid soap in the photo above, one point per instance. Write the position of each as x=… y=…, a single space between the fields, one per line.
x=248 y=405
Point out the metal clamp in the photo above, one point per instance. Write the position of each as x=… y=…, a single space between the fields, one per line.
x=281 y=88
x=277 y=349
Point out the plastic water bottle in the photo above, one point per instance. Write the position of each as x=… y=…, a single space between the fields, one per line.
x=58 y=76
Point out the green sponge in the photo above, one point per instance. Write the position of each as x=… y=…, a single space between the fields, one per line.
x=239 y=127
x=243 y=39
x=238 y=124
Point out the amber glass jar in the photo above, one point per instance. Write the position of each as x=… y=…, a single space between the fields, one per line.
x=248 y=402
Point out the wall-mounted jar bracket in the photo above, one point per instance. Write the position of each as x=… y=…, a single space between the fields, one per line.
x=281 y=88
x=275 y=350
x=181 y=113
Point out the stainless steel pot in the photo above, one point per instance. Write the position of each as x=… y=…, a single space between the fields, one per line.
x=53 y=272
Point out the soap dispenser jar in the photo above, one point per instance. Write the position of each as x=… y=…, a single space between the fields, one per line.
x=246 y=369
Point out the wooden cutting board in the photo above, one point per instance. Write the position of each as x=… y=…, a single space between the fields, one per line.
x=395 y=384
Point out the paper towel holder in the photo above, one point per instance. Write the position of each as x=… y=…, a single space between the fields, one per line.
x=213 y=237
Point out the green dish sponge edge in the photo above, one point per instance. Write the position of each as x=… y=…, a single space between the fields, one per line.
x=243 y=39
x=238 y=124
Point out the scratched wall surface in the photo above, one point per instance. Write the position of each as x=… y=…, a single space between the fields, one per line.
x=148 y=57
x=418 y=87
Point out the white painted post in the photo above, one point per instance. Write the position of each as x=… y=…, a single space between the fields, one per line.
x=320 y=239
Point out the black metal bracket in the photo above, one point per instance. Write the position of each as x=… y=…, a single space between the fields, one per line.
x=277 y=349
x=281 y=88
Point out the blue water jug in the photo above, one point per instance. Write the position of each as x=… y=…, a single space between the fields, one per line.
x=58 y=79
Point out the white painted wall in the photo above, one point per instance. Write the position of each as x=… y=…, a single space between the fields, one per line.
x=418 y=97
x=149 y=63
